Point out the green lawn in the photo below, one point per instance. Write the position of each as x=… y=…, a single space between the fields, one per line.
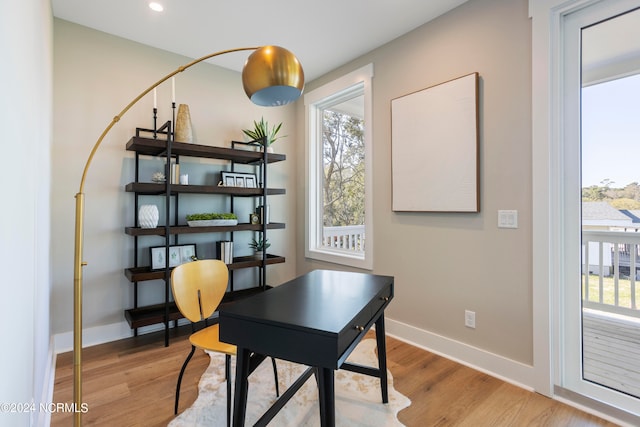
x=624 y=291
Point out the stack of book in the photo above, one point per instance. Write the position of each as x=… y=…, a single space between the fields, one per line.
x=225 y=251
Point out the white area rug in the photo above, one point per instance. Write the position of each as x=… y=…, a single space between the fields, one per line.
x=358 y=398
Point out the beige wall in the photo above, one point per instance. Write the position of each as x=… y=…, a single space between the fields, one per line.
x=95 y=76
x=446 y=263
x=443 y=263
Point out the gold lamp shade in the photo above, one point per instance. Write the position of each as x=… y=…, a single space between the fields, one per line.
x=272 y=76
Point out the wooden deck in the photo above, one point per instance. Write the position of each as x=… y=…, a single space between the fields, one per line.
x=611 y=348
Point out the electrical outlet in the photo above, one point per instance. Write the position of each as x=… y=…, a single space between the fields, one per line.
x=470 y=319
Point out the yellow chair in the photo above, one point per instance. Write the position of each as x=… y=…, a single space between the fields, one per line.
x=198 y=288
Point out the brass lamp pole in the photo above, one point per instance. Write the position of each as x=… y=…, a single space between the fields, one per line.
x=271 y=76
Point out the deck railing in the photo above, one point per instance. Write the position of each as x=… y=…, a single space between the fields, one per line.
x=350 y=238
x=611 y=259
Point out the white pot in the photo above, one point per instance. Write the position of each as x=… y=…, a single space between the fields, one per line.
x=260 y=148
x=148 y=216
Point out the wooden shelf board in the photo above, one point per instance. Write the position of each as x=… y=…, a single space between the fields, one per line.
x=141 y=274
x=154 y=314
x=251 y=261
x=158 y=188
x=185 y=229
x=150 y=315
x=157 y=147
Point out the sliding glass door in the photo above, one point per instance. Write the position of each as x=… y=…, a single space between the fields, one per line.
x=598 y=310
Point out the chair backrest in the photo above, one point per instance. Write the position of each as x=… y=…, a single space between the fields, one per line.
x=198 y=287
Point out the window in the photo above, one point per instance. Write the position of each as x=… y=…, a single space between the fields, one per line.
x=339 y=146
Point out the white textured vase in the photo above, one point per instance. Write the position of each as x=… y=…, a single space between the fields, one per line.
x=148 y=216
x=261 y=148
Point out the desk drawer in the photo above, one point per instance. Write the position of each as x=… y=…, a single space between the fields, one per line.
x=363 y=320
x=381 y=300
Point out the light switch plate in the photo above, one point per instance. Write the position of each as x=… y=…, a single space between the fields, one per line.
x=507 y=219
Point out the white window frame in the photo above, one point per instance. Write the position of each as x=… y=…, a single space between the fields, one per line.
x=343 y=87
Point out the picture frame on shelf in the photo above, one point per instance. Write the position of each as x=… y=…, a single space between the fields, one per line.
x=250 y=182
x=239 y=179
x=187 y=253
x=178 y=254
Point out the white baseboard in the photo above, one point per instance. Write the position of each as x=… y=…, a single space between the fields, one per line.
x=92 y=336
x=516 y=373
x=63 y=342
x=43 y=418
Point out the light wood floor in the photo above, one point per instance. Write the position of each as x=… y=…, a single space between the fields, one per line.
x=132 y=383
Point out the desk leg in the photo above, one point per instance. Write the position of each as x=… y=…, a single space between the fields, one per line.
x=326 y=395
x=242 y=387
x=382 y=357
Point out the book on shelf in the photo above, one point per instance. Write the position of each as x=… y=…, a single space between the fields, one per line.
x=224 y=249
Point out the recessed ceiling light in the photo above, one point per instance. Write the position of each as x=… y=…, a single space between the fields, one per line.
x=156 y=6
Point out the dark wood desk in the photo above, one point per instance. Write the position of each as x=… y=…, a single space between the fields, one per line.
x=316 y=320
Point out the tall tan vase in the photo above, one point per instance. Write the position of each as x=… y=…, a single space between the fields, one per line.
x=184 y=132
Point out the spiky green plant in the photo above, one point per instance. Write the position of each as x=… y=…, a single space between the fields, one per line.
x=261 y=129
x=259 y=245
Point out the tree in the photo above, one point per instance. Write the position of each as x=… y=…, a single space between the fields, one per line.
x=592 y=194
x=625 y=203
x=631 y=191
x=343 y=158
x=620 y=198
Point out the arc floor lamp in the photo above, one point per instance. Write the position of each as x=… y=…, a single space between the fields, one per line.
x=271 y=76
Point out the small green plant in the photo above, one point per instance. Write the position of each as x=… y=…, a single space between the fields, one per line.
x=259 y=245
x=208 y=216
x=261 y=129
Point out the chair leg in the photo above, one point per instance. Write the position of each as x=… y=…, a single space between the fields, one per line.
x=184 y=366
x=227 y=376
x=275 y=376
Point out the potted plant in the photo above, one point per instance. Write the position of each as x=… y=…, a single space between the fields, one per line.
x=259 y=246
x=209 y=219
x=261 y=130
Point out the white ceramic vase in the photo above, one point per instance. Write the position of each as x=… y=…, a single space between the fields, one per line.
x=260 y=148
x=148 y=216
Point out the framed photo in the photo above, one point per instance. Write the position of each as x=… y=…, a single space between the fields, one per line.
x=239 y=179
x=178 y=254
x=250 y=182
x=187 y=253
x=174 y=256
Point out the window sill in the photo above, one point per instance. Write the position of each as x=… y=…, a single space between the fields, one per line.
x=341 y=257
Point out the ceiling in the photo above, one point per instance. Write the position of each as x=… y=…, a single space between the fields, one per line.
x=322 y=34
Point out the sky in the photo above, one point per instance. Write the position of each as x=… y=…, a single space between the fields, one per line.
x=611 y=132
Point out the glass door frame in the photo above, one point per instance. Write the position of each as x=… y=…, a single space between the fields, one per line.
x=556 y=202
